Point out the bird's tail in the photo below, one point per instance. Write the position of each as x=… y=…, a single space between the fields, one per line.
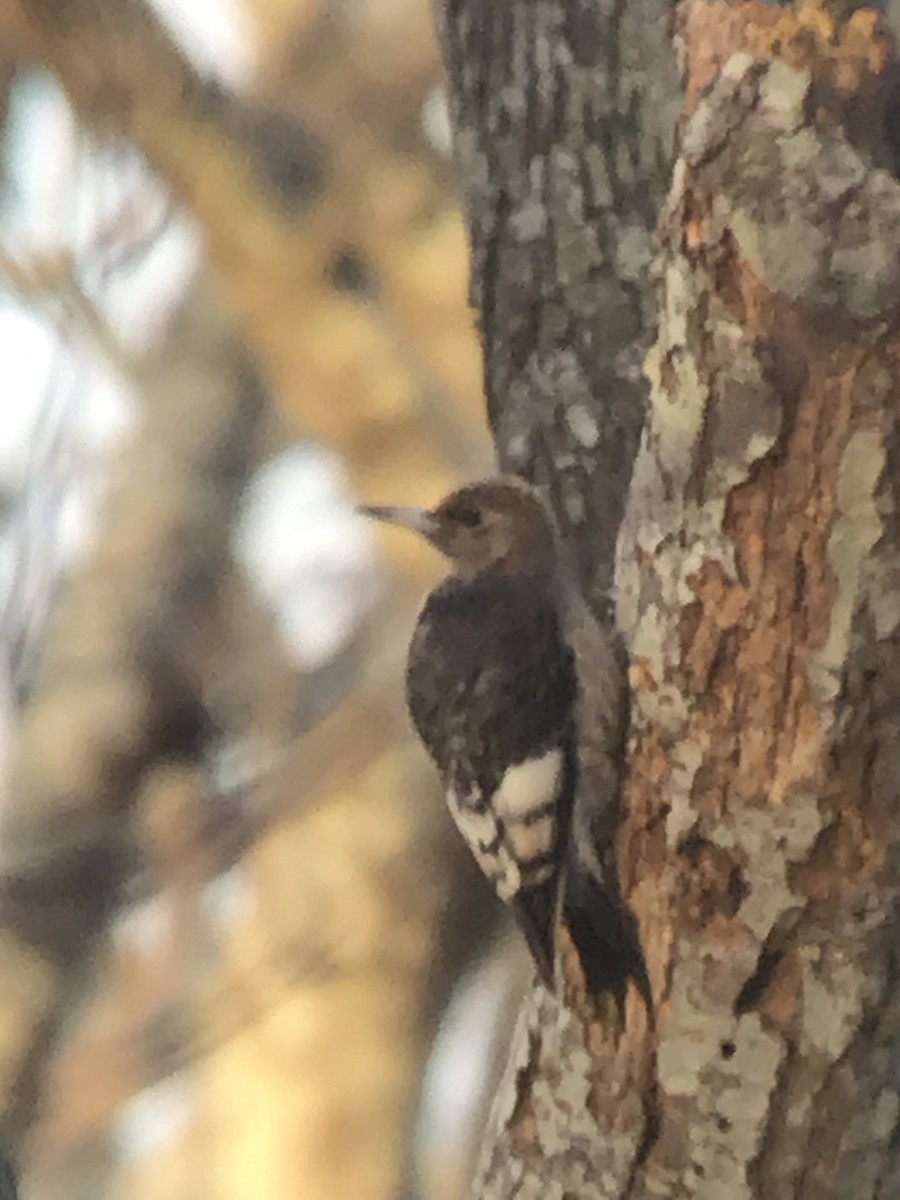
x=604 y=932
x=534 y=909
x=600 y=925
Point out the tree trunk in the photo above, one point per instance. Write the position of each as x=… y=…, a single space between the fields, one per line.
x=756 y=574
x=563 y=115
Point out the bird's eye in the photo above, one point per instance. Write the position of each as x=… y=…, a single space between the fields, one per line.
x=466 y=515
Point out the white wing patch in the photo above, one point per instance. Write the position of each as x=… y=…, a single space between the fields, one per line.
x=532 y=841
x=474 y=826
x=482 y=835
x=529 y=786
x=512 y=840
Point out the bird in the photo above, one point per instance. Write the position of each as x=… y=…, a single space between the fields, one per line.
x=493 y=691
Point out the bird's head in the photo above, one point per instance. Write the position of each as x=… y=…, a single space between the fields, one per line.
x=497 y=524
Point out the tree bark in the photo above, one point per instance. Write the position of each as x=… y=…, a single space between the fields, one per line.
x=563 y=115
x=757 y=574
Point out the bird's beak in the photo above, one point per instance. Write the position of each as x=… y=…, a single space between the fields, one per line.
x=420 y=520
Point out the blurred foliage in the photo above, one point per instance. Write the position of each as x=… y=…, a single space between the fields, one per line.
x=264 y=1034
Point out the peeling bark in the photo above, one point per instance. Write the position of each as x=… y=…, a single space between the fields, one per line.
x=757 y=579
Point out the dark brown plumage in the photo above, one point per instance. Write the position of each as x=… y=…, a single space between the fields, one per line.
x=490 y=688
x=493 y=691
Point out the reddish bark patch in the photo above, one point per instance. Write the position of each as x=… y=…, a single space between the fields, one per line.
x=846 y=58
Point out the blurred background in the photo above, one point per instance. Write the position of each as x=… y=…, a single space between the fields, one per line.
x=308 y=989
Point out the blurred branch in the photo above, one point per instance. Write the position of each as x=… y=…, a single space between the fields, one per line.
x=33 y=527
x=350 y=875
x=132 y=231
x=124 y=74
x=50 y=282
x=119 y=691
x=281 y=196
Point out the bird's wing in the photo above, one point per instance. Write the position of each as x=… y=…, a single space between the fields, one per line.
x=490 y=688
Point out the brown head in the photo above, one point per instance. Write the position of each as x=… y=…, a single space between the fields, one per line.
x=498 y=524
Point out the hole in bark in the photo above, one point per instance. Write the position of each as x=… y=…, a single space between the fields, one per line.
x=689 y=623
x=721 y=668
x=723 y=1125
x=349 y=271
x=716 y=885
x=691 y=845
x=737 y=889
x=284 y=154
x=521 y=341
x=728 y=1049
x=752 y=991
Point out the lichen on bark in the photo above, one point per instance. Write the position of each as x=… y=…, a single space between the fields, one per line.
x=749 y=569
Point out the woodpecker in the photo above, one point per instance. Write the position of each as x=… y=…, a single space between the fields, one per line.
x=493 y=691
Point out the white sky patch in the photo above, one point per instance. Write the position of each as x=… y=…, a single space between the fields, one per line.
x=40 y=154
x=460 y=1065
x=454 y=1081
x=144 y=926
x=229 y=897
x=79 y=511
x=217 y=35
x=27 y=347
x=108 y=410
x=103 y=407
x=436 y=120
x=157 y=1117
x=308 y=551
x=141 y=302
x=70 y=193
